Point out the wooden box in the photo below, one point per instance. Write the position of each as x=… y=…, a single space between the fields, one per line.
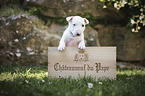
x=97 y=62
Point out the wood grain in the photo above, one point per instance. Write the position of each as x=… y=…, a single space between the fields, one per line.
x=97 y=62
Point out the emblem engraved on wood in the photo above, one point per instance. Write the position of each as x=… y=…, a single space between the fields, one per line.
x=81 y=56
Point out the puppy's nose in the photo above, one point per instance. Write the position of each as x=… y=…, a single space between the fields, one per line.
x=78 y=34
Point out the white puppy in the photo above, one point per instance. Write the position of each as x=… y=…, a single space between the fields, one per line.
x=74 y=34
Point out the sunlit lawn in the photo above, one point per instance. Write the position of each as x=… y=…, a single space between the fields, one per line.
x=32 y=80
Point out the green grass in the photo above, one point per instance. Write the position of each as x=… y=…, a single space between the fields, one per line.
x=32 y=80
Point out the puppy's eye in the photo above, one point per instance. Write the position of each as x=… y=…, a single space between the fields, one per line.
x=83 y=25
x=74 y=24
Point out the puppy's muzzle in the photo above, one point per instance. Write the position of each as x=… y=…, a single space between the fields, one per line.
x=78 y=34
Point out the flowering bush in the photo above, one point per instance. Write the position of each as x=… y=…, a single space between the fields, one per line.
x=136 y=7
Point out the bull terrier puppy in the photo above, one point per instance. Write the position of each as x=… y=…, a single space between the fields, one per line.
x=74 y=34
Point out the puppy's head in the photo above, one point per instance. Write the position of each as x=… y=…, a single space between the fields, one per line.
x=77 y=25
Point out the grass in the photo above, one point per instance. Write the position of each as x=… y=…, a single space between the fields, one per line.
x=32 y=80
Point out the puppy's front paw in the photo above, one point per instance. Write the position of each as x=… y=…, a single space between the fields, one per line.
x=81 y=45
x=61 y=47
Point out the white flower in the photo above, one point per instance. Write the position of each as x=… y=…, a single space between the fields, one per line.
x=24 y=38
x=29 y=49
x=49 y=83
x=141 y=9
x=16 y=40
x=26 y=81
x=115 y=5
x=18 y=54
x=43 y=80
x=18 y=50
x=132 y=21
x=136 y=1
x=17 y=31
x=138 y=27
x=11 y=53
x=7 y=23
x=124 y=2
x=133 y=30
x=104 y=6
x=100 y=83
x=141 y=17
x=90 y=85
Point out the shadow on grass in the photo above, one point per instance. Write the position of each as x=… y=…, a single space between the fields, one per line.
x=19 y=68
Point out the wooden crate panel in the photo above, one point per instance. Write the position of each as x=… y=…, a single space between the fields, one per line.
x=93 y=61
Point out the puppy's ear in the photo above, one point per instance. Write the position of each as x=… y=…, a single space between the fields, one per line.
x=69 y=18
x=86 y=21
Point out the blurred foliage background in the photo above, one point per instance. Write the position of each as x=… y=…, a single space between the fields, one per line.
x=28 y=27
x=135 y=8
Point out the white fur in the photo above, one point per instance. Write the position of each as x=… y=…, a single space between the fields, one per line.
x=74 y=34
